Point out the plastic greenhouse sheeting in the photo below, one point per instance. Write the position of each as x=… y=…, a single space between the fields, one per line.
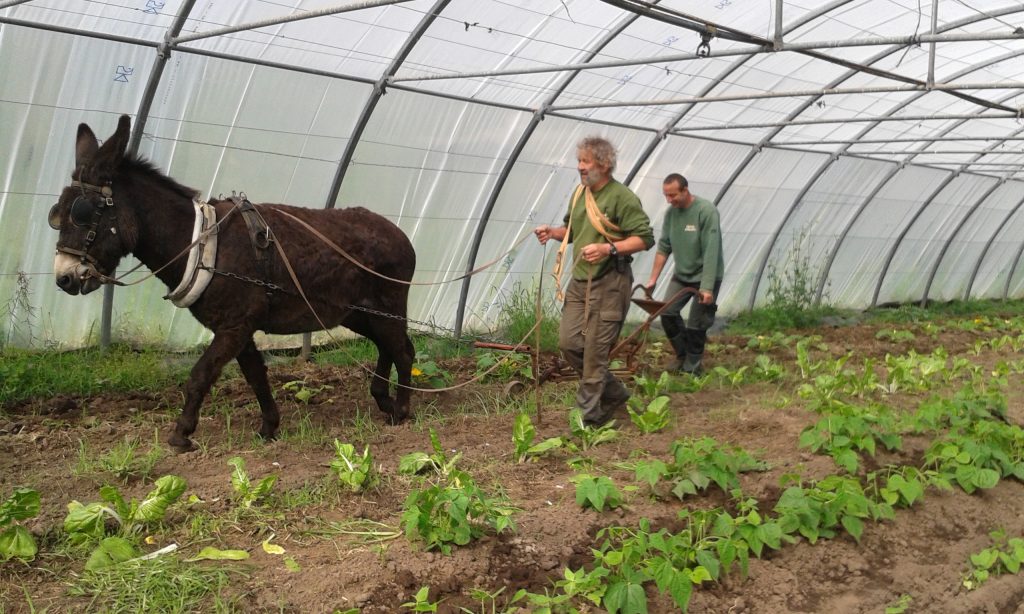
x=879 y=139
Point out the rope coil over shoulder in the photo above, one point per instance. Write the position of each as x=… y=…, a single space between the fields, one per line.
x=597 y=219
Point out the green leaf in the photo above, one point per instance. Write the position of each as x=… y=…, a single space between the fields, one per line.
x=854 y=526
x=167 y=490
x=21 y=505
x=86 y=519
x=625 y=597
x=548 y=444
x=111 y=551
x=523 y=433
x=239 y=478
x=986 y=478
x=650 y=471
x=210 y=553
x=292 y=565
x=413 y=463
x=17 y=542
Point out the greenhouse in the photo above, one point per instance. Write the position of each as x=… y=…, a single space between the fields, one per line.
x=511 y=306
x=880 y=140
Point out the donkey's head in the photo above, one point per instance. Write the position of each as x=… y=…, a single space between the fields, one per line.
x=96 y=227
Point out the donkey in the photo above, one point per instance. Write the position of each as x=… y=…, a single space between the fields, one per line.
x=268 y=265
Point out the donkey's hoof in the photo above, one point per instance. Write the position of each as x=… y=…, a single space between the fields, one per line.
x=268 y=435
x=396 y=418
x=180 y=443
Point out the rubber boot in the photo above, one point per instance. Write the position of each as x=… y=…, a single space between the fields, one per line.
x=695 y=341
x=677 y=338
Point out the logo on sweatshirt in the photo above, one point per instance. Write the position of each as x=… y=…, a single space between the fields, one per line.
x=690 y=228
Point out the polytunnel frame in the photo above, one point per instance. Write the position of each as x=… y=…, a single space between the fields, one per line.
x=172 y=42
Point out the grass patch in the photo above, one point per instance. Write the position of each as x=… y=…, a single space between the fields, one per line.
x=160 y=585
x=123 y=462
x=26 y=374
x=777 y=318
x=519 y=314
x=913 y=312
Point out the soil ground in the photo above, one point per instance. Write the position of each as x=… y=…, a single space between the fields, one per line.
x=923 y=552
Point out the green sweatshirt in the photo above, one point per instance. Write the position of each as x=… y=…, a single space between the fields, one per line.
x=694 y=237
x=622 y=207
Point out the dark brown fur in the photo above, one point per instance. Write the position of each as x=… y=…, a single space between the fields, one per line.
x=154 y=219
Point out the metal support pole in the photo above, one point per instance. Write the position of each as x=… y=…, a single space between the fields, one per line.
x=823 y=279
x=162 y=54
x=903 y=233
x=1013 y=269
x=930 y=82
x=263 y=23
x=939 y=139
x=778 y=25
x=949 y=241
x=753 y=49
x=364 y=119
x=819 y=92
x=685 y=130
x=9 y=3
x=988 y=245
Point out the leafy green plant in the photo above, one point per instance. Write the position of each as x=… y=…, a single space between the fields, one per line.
x=523 y=434
x=452 y=509
x=421 y=601
x=649 y=388
x=696 y=464
x=963 y=461
x=733 y=377
x=87 y=524
x=507 y=366
x=15 y=540
x=765 y=369
x=896 y=335
x=246 y=493
x=590 y=436
x=818 y=511
x=900 y=606
x=427 y=372
x=303 y=392
x=1005 y=556
x=651 y=419
x=596 y=492
x=852 y=429
x=355 y=471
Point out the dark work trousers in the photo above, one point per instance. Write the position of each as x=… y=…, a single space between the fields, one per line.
x=691 y=338
x=591 y=322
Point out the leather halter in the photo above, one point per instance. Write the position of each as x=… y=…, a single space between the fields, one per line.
x=106 y=202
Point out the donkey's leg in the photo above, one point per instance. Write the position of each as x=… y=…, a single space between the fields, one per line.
x=394 y=347
x=225 y=346
x=255 y=372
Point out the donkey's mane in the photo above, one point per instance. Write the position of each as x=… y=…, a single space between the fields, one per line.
x=142 y=166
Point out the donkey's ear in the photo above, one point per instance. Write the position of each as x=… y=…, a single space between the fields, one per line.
x=85 y=145
x=109 y=156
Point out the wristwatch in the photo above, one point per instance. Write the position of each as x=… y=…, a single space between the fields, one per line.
x=612 y=252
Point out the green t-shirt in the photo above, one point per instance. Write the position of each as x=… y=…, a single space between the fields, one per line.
x=694 y=237
x=622 y=207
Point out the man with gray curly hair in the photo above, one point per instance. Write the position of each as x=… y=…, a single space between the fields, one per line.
x=606 y=224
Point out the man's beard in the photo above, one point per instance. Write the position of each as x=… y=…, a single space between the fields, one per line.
x=591 y=179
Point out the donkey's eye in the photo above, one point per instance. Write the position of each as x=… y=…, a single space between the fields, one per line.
x=54 y=217
x=82 y=211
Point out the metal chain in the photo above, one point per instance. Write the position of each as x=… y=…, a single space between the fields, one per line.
x=258 y=282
